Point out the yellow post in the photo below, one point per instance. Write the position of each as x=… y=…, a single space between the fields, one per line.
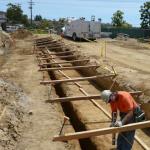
x=103 y=49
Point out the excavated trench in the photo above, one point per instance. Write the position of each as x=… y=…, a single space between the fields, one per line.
x=71 y=111
x=86 y=144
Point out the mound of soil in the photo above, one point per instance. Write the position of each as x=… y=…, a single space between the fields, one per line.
x=12 y=110
x=21 y=34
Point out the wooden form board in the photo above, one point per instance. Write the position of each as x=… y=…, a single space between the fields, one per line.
x=69 y=68
x=64 y=62
x=68 y=56
x=60 y=53
x=78 y=98
x=76 y=79
x=98 y=132
x=46 y=43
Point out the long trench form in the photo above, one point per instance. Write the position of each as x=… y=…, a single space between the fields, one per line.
x=85 y=114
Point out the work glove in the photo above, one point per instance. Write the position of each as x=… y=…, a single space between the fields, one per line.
x=118 y=124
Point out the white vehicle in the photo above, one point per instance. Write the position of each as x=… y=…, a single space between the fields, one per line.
x=11 y=28
x=81 y=29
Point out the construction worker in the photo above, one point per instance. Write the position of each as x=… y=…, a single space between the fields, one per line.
x=130 y=112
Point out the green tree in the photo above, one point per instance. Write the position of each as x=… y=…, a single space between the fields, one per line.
x=38 y=18
x=44 y=24
x=15 y=14
x=117 y=19
x=126 y=25
x=145 y=15
x=24 y=20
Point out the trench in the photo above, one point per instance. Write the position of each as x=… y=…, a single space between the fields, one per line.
x=85 y=144
x=76 y=122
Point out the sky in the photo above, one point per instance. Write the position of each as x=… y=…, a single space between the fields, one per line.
x=104 y=9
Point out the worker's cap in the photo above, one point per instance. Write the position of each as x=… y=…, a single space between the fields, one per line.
x=106 y=95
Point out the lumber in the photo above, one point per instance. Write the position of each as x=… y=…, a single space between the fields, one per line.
x=50 y=57
x=77 y=98
x=136 y=93
x=67 y=99
x=47 y=43
x=64 y=62
x=56 y=47
x=67 y=56
x=75 y=79
x=59 y=53
x=69 y=68
x=104 y=131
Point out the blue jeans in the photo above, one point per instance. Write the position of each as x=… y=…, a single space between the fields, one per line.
x=125 y=140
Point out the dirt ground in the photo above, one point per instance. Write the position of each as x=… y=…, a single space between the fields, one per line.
x=130 y=59
x=28 y=123
x=33 y=126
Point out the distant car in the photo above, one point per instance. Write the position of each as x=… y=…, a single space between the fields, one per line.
x=12 y=28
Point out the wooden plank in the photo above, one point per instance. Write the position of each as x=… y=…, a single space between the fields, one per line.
x=67 y=56
x=64 y=62
x=68 y=99
x=46 y=43
x=41 y=40
x=59 y=53
x=69 y=68
x=104 y=131
x=51 y=57
x=77 y=98
x=75 y=79
x=136 y=93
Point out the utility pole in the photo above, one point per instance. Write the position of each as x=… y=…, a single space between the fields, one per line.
x=31 y=3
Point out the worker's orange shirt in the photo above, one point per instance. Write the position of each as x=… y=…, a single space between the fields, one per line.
x=124 y=102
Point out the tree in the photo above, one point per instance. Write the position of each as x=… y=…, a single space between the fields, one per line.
x=15 y=14
x=145 y=15
x=117 y=19
x=44 y=24
x=38 y=18
x=126 y=25
x=24 y=20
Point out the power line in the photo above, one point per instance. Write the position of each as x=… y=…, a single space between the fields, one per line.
x=31 y=3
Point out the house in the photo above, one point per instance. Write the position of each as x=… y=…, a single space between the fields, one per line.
x=3 y=18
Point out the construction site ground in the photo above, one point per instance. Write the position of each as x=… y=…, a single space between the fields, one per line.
x=41 y=121
x=130 y=58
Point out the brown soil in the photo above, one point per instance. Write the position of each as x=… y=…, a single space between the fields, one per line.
x=34 y=122
x=21 y=34
x=27 y=122
x=130 y=59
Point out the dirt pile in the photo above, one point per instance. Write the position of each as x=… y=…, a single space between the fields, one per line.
x=21 y=34
x=12 y=101
x=5 y=40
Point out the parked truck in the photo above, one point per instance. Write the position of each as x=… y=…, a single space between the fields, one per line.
x=81 y=29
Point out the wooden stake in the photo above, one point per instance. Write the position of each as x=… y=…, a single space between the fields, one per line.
x=69 y=68
x=98 y=132
x=75 y=79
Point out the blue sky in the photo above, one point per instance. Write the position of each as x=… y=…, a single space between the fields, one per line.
x=54 y=9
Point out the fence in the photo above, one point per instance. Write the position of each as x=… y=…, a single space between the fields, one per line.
x=133 y=32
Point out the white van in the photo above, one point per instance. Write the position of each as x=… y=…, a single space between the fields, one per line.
x=78 y=29
x=11 y=28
